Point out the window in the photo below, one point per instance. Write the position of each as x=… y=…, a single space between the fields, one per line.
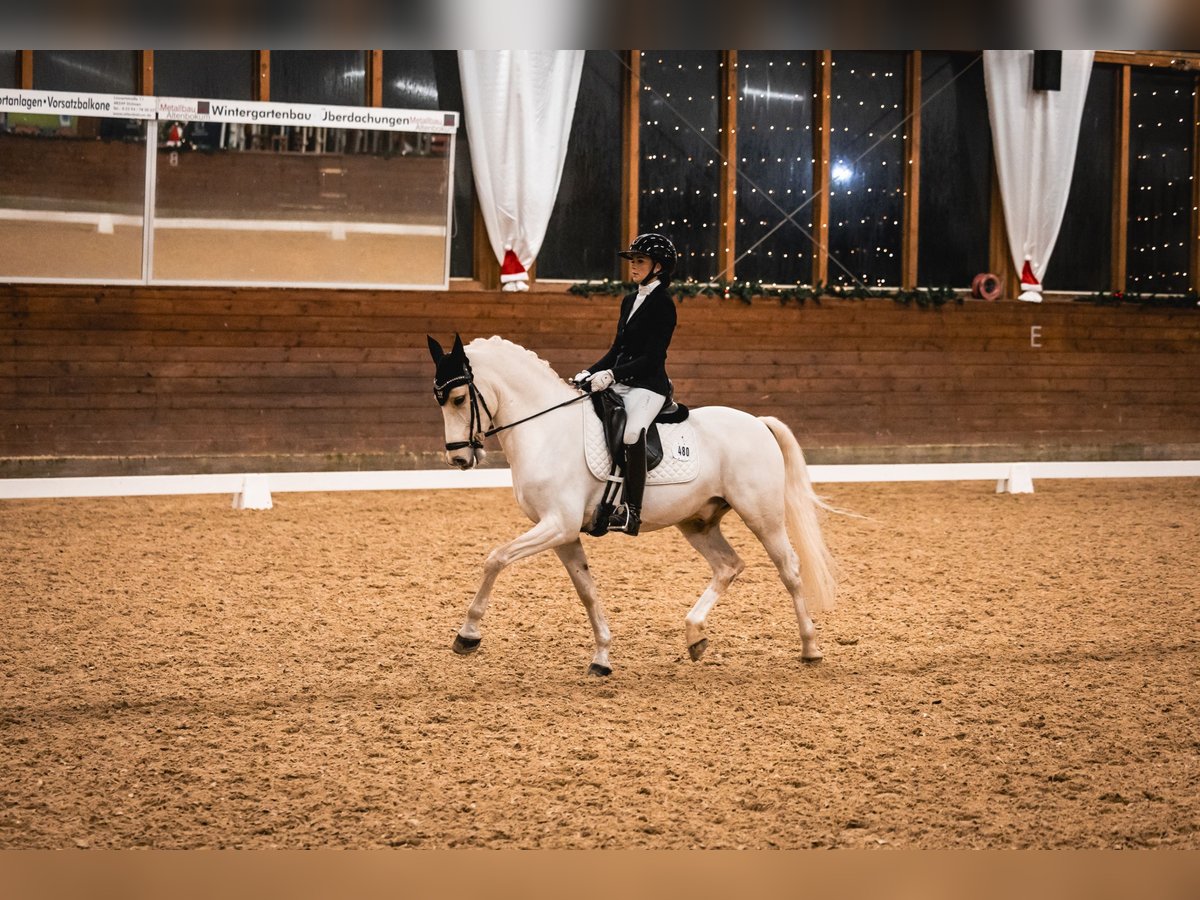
x=89 y=71
x=1160 y=180
x=866 y=172
x=8 y=69
x=775 y=167
x=233 y=192
x=1080 y=261
x=225 y=74
x=956 y=153
x=73 y=197
x=413 y=79
x=319 y=76
x=679 y=170
x=585 y=228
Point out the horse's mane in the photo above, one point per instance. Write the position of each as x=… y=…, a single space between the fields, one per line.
x=495 y=342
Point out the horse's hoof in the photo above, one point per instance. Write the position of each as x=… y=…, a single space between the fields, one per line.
x=697 y=649
x=599 y=671
x=813 y=659
x=465 y=646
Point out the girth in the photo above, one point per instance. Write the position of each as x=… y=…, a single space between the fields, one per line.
x=610 y=409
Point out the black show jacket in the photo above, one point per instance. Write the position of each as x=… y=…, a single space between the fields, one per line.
x=638 y=356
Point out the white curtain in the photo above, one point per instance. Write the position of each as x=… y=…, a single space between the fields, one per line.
x=518 y=106
x=1034 y=134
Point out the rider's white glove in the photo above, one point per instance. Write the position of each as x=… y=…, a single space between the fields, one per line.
x=582 y=378
x=601 y=381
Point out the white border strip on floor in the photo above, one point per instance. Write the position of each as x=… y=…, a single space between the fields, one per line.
x=994 y=471
x=436 y=479
x=279 y=482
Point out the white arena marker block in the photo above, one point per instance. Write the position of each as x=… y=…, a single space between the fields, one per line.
x=1018 y=481
x=105 y=224
x=337 y=231
x=255 y=493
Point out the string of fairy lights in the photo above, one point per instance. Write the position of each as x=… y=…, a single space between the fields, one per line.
x=866 y=198
x=776 y=151
x=1161 y=178
x=689 y=212
x=695 y=218
x=680 y=167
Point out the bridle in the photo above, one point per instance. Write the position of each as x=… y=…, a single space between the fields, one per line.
x=475 y=436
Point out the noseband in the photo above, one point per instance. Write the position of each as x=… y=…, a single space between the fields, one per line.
x=475 y=435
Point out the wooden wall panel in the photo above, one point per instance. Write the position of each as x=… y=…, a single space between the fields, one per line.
x=214 y=379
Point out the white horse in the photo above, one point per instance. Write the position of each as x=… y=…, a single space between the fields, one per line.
x=748 y=464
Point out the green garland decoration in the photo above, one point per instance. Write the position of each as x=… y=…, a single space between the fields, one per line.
x=745 y=291
x=923 y=298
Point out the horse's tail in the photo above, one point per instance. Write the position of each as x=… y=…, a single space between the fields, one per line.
x=816 y=562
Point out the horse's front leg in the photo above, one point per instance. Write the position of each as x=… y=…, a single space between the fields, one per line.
x=547 y=533
x=575 y=561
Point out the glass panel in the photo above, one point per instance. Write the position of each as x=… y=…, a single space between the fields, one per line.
x=775 y=163
x=866 y=168
x=223 y=74
x=680 y=168
x=8 y=69
x=956 y=185
x=259 y=203
x=337 y=77
x=421 y=79
x=88 y=71
x=410 y=80
x=1160 y=180
x=72 y=198
x=1080 y=261
x=585 y=227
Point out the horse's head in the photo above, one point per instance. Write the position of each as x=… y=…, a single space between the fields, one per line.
x=461 y=403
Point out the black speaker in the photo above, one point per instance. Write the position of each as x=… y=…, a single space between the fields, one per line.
x=1047 y=70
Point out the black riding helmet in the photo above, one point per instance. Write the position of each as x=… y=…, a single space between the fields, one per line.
x=658 y=248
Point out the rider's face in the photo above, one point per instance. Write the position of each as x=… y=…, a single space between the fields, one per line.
x=640 y=266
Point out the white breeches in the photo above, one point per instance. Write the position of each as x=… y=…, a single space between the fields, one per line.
x=641 y=406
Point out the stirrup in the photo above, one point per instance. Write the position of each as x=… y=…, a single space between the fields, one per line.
x=626 y=519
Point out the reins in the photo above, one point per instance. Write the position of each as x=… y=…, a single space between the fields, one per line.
x=498 y=429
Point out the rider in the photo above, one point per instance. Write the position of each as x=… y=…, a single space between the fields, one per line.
x=635 y=365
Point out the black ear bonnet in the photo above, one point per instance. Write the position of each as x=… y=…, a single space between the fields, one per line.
x=452 y=369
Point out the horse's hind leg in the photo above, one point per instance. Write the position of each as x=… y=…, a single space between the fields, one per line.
x=575 y=561
x=706 y=537
x=774 y=537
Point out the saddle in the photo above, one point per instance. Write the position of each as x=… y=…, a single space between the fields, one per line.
x=610 y=409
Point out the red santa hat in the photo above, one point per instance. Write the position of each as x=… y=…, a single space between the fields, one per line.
x=1031 y=288
x=512 y=274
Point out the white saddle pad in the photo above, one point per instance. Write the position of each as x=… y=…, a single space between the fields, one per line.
x=681 y=457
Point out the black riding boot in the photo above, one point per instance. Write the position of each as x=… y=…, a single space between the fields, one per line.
x=628 y=516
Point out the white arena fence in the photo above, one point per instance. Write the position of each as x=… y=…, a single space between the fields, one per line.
x=253 y=491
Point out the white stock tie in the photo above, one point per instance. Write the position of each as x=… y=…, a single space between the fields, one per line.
x=643 y=292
